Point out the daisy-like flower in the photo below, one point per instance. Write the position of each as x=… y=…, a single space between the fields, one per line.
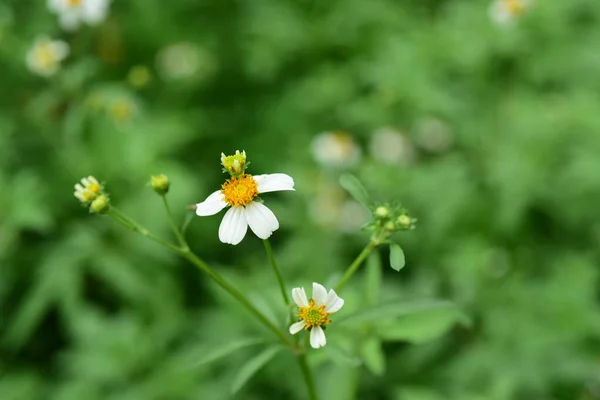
x=389 y=146
x=505 y=12
x=240 y=192
x=336 y=149
x=72 y=13
x=45 y=56
x=88 y=190
x=315 y=313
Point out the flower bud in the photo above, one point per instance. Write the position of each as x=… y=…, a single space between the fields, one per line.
x=160 y=183
x=100 y=205
x=382 y=211
x=235 y=164
x=404 y=221
x=87 y=190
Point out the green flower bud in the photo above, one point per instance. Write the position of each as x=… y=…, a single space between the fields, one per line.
x=235 y=164
x=404 y=221
x=160 y=184
x=100 y=205
x=382 y=211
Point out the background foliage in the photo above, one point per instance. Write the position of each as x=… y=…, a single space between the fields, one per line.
x=508 y=226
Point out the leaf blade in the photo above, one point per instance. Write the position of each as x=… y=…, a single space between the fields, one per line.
x=397 y=260
x=252 y=366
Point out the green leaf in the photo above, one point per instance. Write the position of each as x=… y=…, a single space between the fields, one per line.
x=396 y=257
x=252 y=366
x=341 y=356
x=393 y=309
x=373 y=279
x=227 y=349
x=355 y=188
x=373 y=356
x=421 y=327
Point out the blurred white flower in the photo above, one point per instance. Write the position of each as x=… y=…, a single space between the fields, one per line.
x=240 y=193
x=335 y=149
x=45 y=56
x=352 y=216
x=505 y=12
x=315 y=313
x=72 y=13
x=391 y=147
x=433 y=135
x=88 y=189
x=184 y=60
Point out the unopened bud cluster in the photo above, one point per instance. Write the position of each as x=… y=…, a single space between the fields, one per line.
x=389 y=218
x=236 y=164
x=91 y=194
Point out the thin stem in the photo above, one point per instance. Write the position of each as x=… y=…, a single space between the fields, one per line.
x=239 y=296
x=308 y=378
x=354 y=266
x=284 y=292
x=131 y=224
x=176 y=231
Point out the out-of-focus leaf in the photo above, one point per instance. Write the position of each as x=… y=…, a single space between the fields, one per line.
x=396 y=257
x=356 y=189
x=421 y=327
x=226 y=349
x=340 y=356
x=252 y=366
x=373 y=356
x=393 y=309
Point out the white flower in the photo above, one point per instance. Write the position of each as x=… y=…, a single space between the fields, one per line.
x=45 y=56
x=88 y=189
x=72 y=13
x=505 y=12
x=314 y=313
x=335 y=149
x=184 y=60
x=389 y=146
x=240 y=192
x=433 y=135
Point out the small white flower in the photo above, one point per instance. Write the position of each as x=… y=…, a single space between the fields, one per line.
x=433 y=135
x=72 y=13
x=315 y=313
x=391 y=147
x=240 y=192
x=505 y=12
x=336 y=149
x=45 y=56
x=185 y=60
x=88 y=189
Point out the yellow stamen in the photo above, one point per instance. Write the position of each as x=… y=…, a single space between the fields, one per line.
x=94 y=187
x=313 y=315
x=240 y=191
x=45 y=56
x=74 y=3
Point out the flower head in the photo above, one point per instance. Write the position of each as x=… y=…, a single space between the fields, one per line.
x=505 y=12
x=314 y=314
x=240 y=192
x=336 y=149
x=88 y=190
x=72 y=13
x=45 y=56
x=391 y=147
x=160 y=183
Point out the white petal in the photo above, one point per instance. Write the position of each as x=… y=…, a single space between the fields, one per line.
x=69 y=21
x=61 y=51
x=333 y=302
x=274 y=182
x=299 y=296
x=234 y=226
x=212 y=205
x=319 y=294
x=297 y=327
x=317 y=337
x=262 y=221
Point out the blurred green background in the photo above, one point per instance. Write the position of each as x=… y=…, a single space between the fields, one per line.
x=488 y=133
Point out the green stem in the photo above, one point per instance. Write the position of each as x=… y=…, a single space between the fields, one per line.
x=354 y=266
x=308 y=378
x=176 y=231
x=284 y=292
x=194 y=259
x=131 y=224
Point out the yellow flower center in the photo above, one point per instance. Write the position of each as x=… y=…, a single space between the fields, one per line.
x=74 y=3
x=515 y=7
x=313 y=315
x=240 y=191
x=94 y=187
x=44 y=56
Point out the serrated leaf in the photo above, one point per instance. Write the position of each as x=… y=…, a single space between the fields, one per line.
x=393 y=309
x=227 y=349
x=356 y=189
x=252 y=366
x=373 y=356
x=397 y=261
